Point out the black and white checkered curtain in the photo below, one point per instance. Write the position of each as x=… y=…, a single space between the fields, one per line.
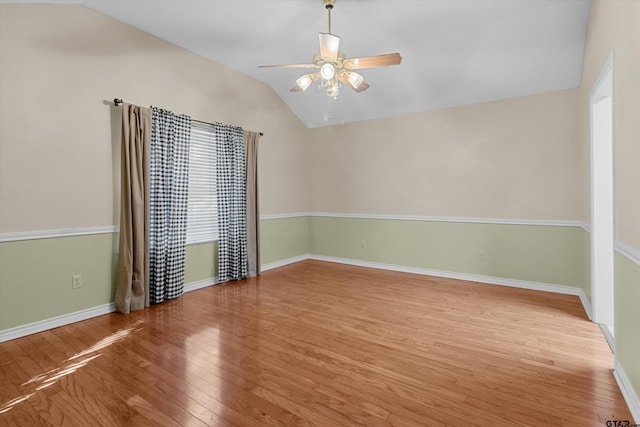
x=169 y=183
x=232 y=203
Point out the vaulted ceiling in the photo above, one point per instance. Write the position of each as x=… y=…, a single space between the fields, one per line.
x=455 y=52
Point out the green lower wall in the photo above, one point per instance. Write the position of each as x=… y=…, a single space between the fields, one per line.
x=537 y=253
x=627 y=320
x=35 y=277
x=201 y=262
x=283 y=238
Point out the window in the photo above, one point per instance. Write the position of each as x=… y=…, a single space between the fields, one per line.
x=202 y=213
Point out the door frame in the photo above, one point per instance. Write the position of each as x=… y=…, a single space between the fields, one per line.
x=602 y=138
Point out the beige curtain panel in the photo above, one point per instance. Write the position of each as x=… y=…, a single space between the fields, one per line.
x=253 y=214
x=132 y=287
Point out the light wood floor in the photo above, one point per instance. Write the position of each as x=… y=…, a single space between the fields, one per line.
x=321 y=344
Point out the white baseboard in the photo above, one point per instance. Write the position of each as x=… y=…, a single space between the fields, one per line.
x=66 y=319
x=283 y=262
x=586 y=305
x=570 y=290
x=514 y=283
x=54 y=322
x=628 y=393
x=188 y=287
x=608 y=335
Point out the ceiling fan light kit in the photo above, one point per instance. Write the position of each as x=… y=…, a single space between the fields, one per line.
x=334 y=67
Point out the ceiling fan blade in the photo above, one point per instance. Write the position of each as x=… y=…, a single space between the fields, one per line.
x=289 y=66
x=363 y=86
x=373 y=61
x=329 y=45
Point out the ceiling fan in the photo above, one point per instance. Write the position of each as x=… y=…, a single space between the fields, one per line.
x=334 y=67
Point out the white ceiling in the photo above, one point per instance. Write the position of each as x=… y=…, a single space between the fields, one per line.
x=455 y=52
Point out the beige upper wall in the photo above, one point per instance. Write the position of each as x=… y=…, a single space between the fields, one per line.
x=60 y=64
x=614 y=25
x=522 y=158
x=513 y=159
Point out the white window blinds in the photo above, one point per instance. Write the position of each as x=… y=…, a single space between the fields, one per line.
x=202 y=215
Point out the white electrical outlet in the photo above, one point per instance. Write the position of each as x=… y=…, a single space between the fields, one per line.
x=480 y=255
x=363 y=244
x=76 y=281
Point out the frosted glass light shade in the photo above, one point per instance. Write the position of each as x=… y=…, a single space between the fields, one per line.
x=304 y=82
x=355 y=79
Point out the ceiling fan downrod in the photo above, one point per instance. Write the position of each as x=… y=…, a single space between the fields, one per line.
x=328 y=4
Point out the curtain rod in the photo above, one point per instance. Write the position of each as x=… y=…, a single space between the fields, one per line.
x=117 y=102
